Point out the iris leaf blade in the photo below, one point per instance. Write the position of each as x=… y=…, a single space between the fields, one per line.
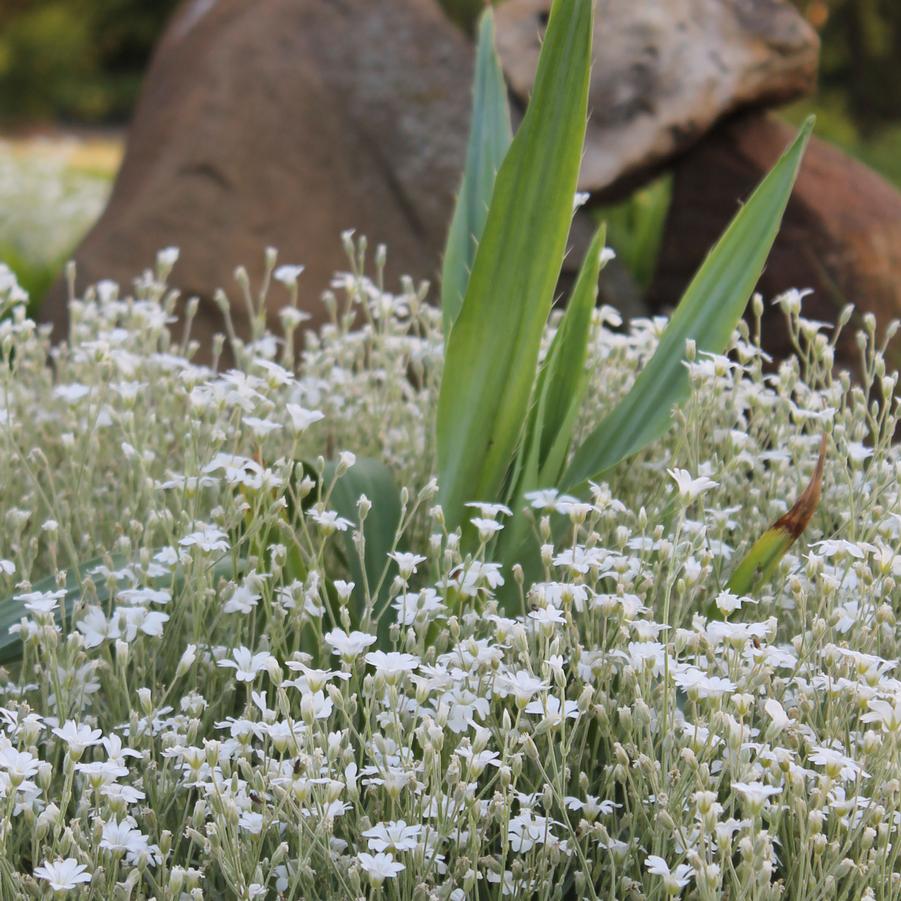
x=707 y=313
x=492 y=350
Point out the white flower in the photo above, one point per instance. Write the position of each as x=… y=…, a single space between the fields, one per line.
x=63 y=875
x=189 y=655
x=607 y=255
x=468 y=579
x=885 y=712
x=276 y=376
x=349 y=646
x=487 y=528
x=302 y=419
x=521 y=684
x=136 y=619
x=116 y=751
x=756 y=793
x=837 y=765
x=330 y=520
x=71 y=393
x=7 y=567
x=776 y=712
x=727 y=602
x=592 y=806
x=145 y=596
x=96 y=628
x=313 y=704
x=244 y=598
x=379 y=866
x=122 y=836
x=674 y=880
x=392 y=663
x=859 y=452
x=490 y=511
x=101 y=772
x=550 y=709
x=167 y=257
x=42 y=602
x=251 y=821
x=527 y=830
x=543 y=499
x=580 y=198
x=394 y=836
x=690 y=488
x=261 y=427
x=698 y=684
x=18 y=765
x=77 y=736
x=406 y=563
x=207 y=538
x=291 y=317
x=246 y=664
x=287 y=275
x=836 y=547
x=547 y=616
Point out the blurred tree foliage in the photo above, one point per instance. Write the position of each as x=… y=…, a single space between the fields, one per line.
x=75 y=59
x=861 y=57
x=82 y=60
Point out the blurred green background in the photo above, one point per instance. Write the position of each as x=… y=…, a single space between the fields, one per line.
x=75 y=60
x=70 y=71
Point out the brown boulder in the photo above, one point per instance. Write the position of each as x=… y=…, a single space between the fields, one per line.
x=664 y=73
x=283 y=124
x=841 y=235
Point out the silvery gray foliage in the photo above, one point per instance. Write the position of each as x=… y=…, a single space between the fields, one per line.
x=214 y=719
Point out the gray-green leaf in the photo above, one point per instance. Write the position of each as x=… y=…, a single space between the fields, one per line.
x=708 y=313
x=493 y=347
x=489 y=137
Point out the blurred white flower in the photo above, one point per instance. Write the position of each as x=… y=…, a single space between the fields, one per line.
x=246 y=664
x=63 y=875
x=689 y=487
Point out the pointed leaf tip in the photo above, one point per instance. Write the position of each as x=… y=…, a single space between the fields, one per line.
x=707 y=314
x=761 y=560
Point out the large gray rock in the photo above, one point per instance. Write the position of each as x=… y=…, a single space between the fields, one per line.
x=282 y=124
x=665 y=72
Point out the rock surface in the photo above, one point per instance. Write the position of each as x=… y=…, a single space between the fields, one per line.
x=664 y=73
x=841 y=235
x=283 y=128
x=286 y=128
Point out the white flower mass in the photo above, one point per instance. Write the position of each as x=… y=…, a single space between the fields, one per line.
x=227 y=687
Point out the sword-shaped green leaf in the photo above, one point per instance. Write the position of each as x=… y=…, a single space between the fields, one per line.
x=708 y=313
x=490 y=135
x=492 y=350
x=563 y=377
x=557 y=397
x=559 y=387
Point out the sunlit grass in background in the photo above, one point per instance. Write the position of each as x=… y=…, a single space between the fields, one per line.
x=52 y=189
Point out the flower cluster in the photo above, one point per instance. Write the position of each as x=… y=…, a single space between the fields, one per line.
x=220 y=694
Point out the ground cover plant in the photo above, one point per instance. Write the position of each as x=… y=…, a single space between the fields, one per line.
x=274 y=629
